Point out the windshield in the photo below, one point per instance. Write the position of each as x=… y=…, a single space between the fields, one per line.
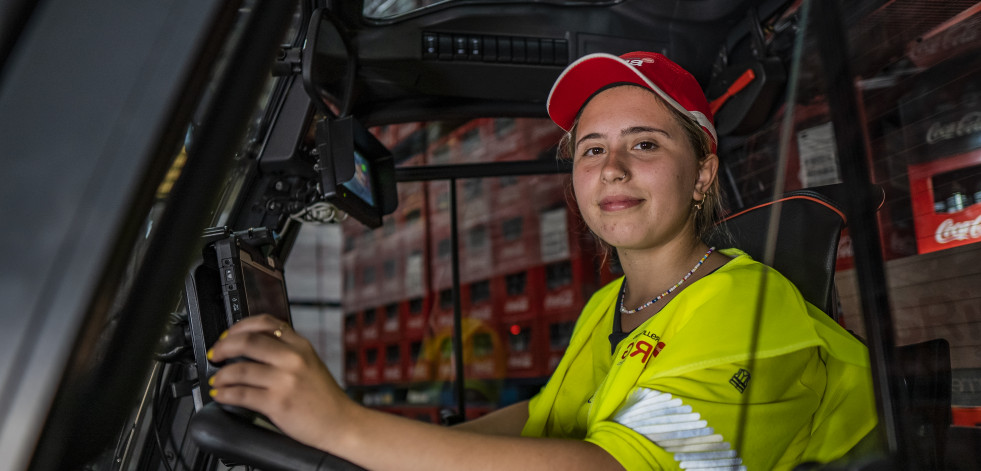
x=527 y=265
x=467 y=297
x=390 y=9
x=153 y=395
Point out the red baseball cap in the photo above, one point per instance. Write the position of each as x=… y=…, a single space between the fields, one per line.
x=584 y=77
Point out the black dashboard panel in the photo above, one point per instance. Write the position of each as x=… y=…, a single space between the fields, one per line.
x=461 y=62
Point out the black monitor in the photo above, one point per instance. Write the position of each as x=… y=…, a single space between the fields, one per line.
x=357 y=171
x=233 y=280
x=263 y=289
x=251 y=283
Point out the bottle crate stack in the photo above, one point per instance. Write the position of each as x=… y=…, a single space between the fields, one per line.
x=526 y=268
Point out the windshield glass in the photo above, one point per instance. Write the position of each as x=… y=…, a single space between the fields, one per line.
x=527 y=264
x=917 y=71
x=389 y=9
x=169 y=368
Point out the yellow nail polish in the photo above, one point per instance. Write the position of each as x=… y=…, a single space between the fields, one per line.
x=213 y=392
x=211 y=354
x=223 y=335
x=211 y=381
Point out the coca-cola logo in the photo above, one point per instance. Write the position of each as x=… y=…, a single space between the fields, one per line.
x=958 y=35
x=520 y=361
x=950 y=231
x=969 y=124
x=559 y=300
x=483 y=313
x=519 y=304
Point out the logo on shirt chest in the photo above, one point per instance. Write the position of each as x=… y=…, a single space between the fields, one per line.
x=642 y=350
x=740 y=380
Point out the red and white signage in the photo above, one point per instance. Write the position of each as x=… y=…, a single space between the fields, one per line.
x=952 y=227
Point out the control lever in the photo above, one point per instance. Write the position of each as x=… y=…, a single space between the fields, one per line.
x=247 y=414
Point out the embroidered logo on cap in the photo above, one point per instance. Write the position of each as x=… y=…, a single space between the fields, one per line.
x=639 y=62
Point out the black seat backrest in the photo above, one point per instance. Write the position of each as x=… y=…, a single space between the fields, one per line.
x=808 y=229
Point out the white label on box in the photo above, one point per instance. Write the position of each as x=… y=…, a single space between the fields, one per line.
x=555 y=235
x=818 y=158
x=413 y=274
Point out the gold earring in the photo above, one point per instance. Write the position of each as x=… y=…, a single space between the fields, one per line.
x=698 y=204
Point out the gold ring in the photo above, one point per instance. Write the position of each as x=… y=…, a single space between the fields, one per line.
x=278 y=333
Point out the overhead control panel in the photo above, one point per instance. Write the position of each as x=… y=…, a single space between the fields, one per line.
x=507 y=49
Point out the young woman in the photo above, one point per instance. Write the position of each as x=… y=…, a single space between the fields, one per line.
x=666 y=367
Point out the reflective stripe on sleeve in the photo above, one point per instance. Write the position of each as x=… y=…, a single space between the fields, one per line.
x=673 y=426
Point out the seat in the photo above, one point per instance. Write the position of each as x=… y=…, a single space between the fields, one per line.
x=810 y=222
x=809 y=228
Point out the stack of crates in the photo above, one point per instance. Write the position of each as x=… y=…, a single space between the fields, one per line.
x=525 y=269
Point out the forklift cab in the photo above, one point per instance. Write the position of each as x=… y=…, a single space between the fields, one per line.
x=382 y=176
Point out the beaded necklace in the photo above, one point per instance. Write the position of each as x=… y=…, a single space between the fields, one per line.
x=676 y=285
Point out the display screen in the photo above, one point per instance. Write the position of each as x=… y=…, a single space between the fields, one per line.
x=265 y=292
x=360 y=184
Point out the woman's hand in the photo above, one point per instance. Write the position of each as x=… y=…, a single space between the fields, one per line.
x=287 y=382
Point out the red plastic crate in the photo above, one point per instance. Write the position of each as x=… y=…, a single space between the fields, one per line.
x=438 y=202
x=392 y=368
x=483 y=300
x=413 y=254
x=541 y=133
x=557 y=328
x=521 y=299
x=516 y=239
x=352 y=331
x=966 y=416
x=511 y=192
x=352 y=369
x=371 y=360
x=417 y=363
x=474 y=198
x=402 y=131
x=568 y=284
x=370 y=329
x=416 y=312
x=390 y=265
x=469 y=141
x=391 y=317
x=476 y=251
x=524 y=342
x=441 y=311
x=550 y=192
x=440 y=258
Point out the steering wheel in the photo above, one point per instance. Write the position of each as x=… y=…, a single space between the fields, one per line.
x=236 y=437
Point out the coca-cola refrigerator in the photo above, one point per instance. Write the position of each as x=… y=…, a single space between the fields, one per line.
x=942 y=126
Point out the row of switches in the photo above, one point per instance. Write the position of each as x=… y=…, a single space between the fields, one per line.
x=444 y=46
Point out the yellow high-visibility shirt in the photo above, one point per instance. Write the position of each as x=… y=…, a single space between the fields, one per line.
x=685 y=390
